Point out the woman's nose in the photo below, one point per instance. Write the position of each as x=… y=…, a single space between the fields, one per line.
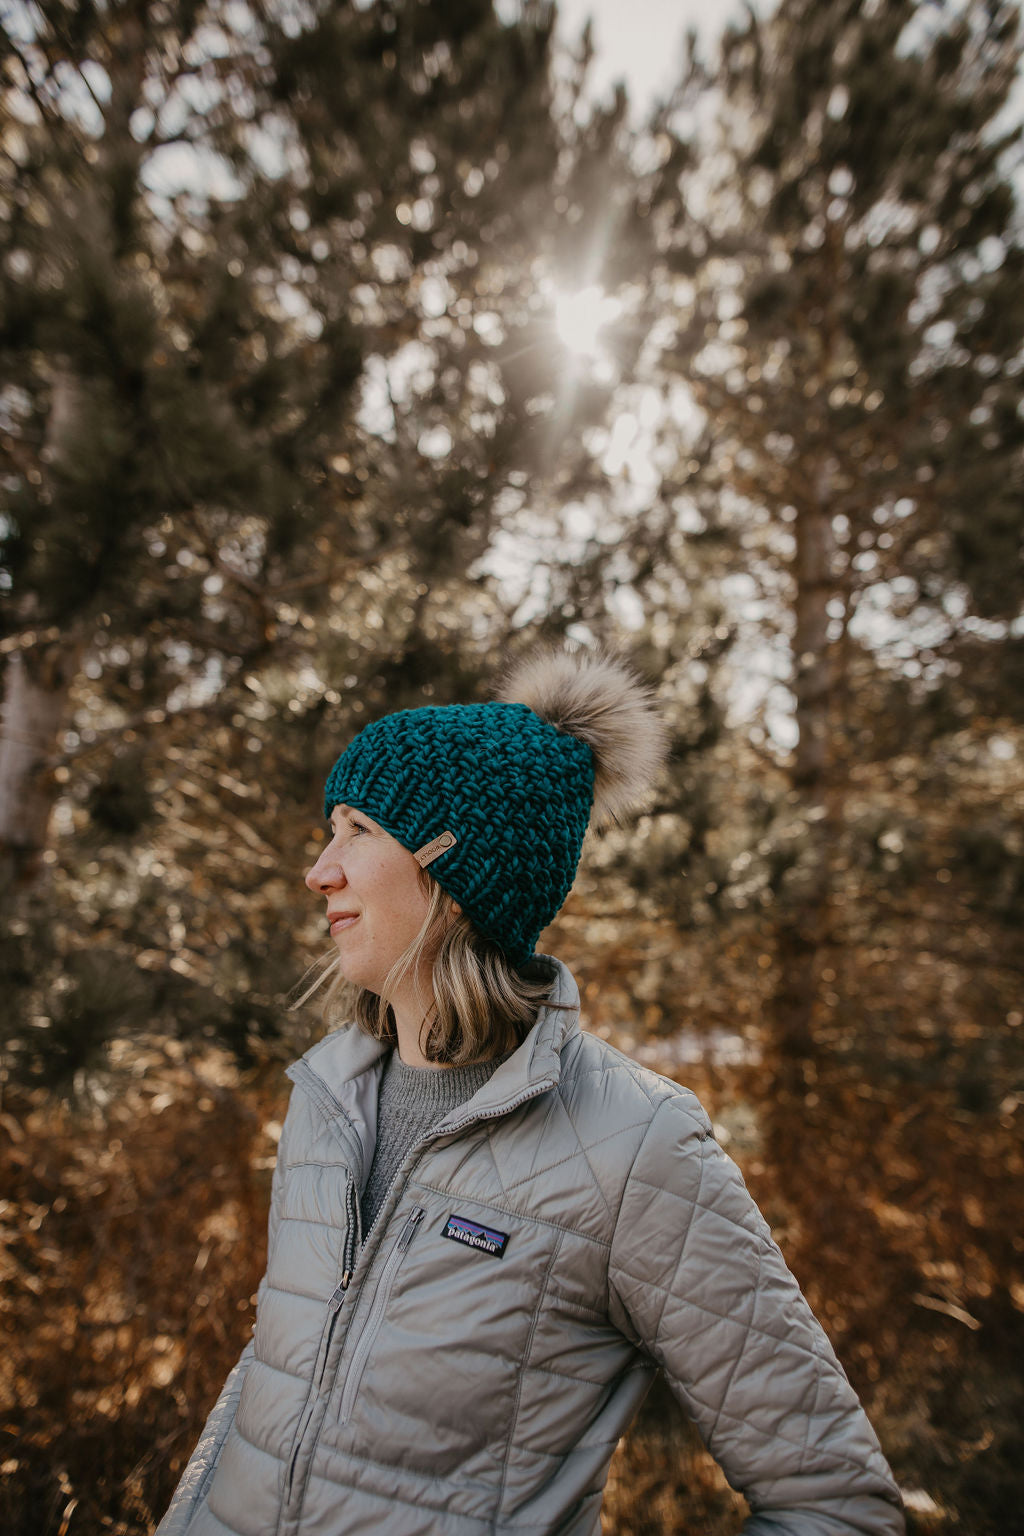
x=326 y=874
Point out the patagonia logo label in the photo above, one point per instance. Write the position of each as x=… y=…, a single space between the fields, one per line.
x=434 y=849
x=484 y=1239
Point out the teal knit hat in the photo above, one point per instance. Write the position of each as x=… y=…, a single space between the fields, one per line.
x=496 y=797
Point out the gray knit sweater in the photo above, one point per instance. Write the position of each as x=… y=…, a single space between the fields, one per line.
x=412 y=1099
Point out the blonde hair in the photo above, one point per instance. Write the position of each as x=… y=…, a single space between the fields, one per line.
x=480 y=1008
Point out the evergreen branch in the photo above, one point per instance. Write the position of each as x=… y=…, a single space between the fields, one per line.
x=212 y=802
x=190 y=515
x=70 y=55
x=247 y=583
x=47 y=111
x=337 y=573
x=6 y=734
x=182 y=71
x=85 y=80
x=155 y=716
x=909 y=952
x=156 y=140
x=25 y=639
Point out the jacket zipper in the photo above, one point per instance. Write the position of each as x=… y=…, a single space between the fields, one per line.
x=381 y=1294
x=352 y=1240
x=375 y=1316
x=334 y=1304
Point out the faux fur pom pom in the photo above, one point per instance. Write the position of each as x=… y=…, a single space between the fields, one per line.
x=599 y=700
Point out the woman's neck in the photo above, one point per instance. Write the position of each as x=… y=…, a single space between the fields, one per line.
x=409 y=1008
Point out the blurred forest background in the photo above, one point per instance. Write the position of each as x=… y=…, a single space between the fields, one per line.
x=347 y=349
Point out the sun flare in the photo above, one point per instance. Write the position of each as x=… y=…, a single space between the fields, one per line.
x=581 y=316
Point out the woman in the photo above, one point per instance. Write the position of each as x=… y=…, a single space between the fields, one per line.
x=488 y=1228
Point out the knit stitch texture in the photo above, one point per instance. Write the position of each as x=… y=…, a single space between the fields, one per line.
x=411 y=1101
x=515 y=791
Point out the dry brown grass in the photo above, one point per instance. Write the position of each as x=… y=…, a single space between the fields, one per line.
x=133 y=1236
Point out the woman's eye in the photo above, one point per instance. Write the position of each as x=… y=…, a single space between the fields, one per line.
x=357 y=826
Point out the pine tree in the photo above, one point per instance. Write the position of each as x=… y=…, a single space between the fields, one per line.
x=848 y=264
x=151 y=384
x=276 y=317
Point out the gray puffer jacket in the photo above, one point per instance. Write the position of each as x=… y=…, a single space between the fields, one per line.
x=470 y=1368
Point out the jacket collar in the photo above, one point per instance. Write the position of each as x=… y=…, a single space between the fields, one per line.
x=536 y=1065
x=342 y=1072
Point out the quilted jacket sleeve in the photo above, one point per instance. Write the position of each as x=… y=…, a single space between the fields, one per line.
x=706 y=1292
x=202 y=1464
x=203 y=1461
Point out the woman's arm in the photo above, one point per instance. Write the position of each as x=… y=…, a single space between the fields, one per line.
x=203 y=1461
x=698 y=1281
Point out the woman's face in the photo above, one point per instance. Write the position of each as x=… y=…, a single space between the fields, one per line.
x=375 y=899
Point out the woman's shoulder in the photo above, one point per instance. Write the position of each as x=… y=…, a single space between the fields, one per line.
x=601 y=1081
x=578 y=1144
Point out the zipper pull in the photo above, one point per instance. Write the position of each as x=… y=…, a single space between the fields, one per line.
x=409 y=1230
x=338 y=1297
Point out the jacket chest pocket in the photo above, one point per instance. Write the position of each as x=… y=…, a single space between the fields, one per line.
x=374 y=1317
x=442 y=1333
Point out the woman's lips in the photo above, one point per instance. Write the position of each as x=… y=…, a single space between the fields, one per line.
x=342 y=920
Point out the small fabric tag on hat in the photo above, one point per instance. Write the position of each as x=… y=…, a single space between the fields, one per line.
x=434 y=849
x=484 y=1239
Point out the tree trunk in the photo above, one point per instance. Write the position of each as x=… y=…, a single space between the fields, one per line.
x=38 y=677
x=804 y=926
x=36 y=685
